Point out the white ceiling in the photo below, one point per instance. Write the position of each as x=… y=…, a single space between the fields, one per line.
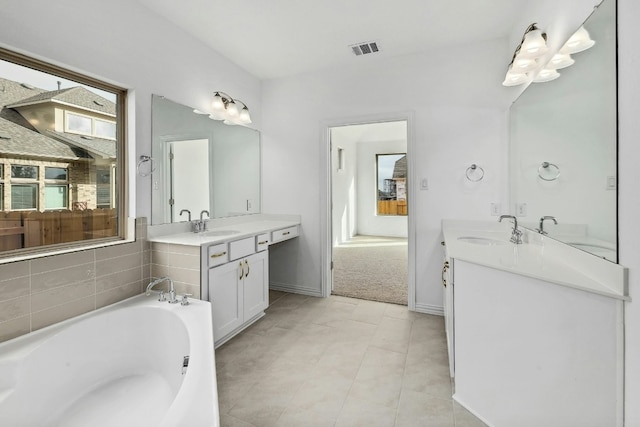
x=276 y=38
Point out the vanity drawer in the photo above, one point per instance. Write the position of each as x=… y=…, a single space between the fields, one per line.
x=242 y=248
x=262 y=242
x=284 y=234
x=218 y=254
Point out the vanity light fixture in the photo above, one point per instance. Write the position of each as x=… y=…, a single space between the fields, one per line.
x=227 y=109
x=525 y=58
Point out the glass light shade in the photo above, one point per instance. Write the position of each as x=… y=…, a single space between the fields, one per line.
x=217 y=104
x=513 y=78
x=579 y=41
x=534 y=45
x=546 y=75
x=245 y=118
x=560 y=60
x=523 y=65
x=232 y=109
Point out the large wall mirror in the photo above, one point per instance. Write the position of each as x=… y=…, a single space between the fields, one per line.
x=201 y=165
x=563 y=146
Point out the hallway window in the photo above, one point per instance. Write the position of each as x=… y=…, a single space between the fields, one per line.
x=391 y=179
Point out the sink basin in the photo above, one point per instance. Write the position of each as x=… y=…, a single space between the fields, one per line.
x=219 y=233
x=486 y=241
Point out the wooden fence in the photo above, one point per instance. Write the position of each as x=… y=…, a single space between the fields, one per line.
x=392 y=207
x=24 y=229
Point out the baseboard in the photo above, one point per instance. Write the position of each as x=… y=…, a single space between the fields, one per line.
x=437 y=310
x=295 y=289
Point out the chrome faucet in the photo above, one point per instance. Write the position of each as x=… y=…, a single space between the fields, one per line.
x=188 y=213
x=200 y=225
x=172 y=291
x=516 y=235
x=541 y=229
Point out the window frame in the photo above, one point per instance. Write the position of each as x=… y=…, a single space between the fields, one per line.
x=378 y=188
x=124 y=226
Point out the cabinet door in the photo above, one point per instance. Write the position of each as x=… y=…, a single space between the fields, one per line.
x=256 y=284
x=225 y=294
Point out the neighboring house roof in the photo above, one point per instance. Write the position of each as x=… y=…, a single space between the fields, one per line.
x=105 y=148
x=77 y=96
x=400 y=168
x=19 y=138
x=19 y=141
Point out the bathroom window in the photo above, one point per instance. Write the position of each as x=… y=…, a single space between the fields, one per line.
x=391 y=180
x=63 y=143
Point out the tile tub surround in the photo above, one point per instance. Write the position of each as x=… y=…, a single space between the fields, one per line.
x=338 y=361
x=179 y=262
x=43 y=291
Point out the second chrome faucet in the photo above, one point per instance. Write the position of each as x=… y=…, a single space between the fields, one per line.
x=516 y=234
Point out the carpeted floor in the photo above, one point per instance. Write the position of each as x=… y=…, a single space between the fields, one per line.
x=372 y=268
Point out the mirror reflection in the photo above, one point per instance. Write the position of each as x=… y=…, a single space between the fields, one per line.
x=563 y=144
x=201 y=165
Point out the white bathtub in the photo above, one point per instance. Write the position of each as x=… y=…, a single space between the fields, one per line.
x=118 y=366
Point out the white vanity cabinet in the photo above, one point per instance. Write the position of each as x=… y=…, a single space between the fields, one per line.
x=239 y=286
x=229 y=268
x=239 y=292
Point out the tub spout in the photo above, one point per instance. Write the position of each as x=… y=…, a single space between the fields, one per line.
x=158 y=281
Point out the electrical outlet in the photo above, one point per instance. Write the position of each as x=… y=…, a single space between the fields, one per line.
x=521 y=209
x=611 y=183
x=495 y=209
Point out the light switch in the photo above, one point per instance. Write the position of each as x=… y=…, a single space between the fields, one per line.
x=521 y=209
x=424 y=184
x=495 y=209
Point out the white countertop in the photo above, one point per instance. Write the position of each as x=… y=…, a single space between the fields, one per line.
x=228 y=230
x=539 y=257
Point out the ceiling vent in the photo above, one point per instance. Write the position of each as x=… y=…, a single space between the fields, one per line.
x=364 y=48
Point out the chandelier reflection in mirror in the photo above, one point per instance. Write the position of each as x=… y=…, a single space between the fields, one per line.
x=231 y=111
x=525 y=66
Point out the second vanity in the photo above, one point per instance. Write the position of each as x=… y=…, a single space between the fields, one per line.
x=534 y=330
x=229 y=261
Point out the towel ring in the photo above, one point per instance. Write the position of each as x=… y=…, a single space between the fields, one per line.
x=547 y=165
x=471 y=169
x=145 y=159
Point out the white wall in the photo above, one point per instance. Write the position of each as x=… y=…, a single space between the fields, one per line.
x=344 y=188
x=122 y=42
x=459 y=116
x=369 y=222
x=628 y=194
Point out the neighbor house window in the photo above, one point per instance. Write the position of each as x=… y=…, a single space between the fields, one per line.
x=391 y=179
x=24 y=197
x=104 y=129
x=65 y=149
x=56 y=188
x=78 y=124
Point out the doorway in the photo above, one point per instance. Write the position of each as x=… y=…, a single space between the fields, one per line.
x=369 y=218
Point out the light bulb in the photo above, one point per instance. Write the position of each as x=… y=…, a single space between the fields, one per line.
x=579 y=41
x=546 y=75
x=217 y=104
x=524 y=65
x=245 y=118
x=534 y=45
x=232 y=109
x=514 y=78
x=561 y=60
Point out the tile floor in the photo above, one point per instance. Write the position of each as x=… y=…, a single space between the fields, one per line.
x=338 y=362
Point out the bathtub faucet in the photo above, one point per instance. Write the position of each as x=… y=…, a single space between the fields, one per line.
x=172 y=292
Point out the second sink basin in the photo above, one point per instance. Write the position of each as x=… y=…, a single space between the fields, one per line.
x=486 y=241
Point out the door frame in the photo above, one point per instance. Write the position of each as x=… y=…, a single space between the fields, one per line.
x=326 y=196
